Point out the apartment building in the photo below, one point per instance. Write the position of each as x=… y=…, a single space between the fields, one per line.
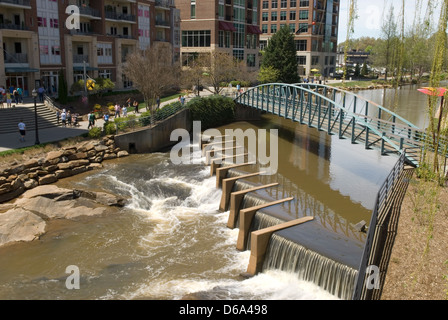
x=314 y=24
x=38 y=42
x=230 y=26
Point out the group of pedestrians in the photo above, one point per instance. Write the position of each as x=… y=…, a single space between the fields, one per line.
x=66 y=118
x=10 y=95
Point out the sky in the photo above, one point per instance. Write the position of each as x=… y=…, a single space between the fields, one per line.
x=370 y=15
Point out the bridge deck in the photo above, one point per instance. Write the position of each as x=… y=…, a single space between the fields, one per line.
x=344 y=114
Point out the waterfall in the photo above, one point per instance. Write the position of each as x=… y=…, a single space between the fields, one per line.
x=330 y=275
x=262 y=221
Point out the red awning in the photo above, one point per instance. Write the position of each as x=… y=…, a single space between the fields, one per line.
x=253 y=29
x=226 y=26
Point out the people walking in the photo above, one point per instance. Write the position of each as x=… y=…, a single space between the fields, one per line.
x=20 y=92
x=58 y=116
x=69 y=119
x=135 y=104
x=41 y=92
x=8 y=99
x=91 y=118
x=117 y=110
x=22 y=130
x=64 y=118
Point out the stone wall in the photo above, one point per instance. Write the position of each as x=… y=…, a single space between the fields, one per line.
x=69 y=161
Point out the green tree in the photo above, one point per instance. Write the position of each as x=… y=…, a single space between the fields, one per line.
x=364 y=70
x=62 y=88
x=280 y=54
x=268 y=74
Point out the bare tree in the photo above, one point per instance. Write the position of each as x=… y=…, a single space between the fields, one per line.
x=152 y=72
x=212 y=69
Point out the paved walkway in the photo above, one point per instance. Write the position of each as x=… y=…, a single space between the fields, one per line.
x=10 y=141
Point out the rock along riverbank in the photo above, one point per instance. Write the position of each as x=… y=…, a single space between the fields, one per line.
x=37 y=201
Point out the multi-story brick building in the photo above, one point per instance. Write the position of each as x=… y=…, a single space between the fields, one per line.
x=37 y=43
x=230 y=26
x=315 y=27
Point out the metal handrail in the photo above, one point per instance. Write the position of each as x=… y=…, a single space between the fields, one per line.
x=140 y=122
x=376 y=227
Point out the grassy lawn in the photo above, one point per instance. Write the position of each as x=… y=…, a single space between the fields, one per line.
x=359 y=84
x=142 y=105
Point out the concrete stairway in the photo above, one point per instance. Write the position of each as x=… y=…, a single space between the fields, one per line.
x=10 y=117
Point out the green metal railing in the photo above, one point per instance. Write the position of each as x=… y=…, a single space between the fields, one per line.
x=131 y=123
x=329 y=109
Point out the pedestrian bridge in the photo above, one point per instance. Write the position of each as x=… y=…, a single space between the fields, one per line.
x=342 y=113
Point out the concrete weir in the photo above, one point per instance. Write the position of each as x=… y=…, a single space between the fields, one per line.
x=246 y=216
x=260 y=240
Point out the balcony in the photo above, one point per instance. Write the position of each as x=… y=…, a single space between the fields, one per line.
x=16 y=58
x=80 y=58
x=120 y=16
x=165 y=4
x=23 y=4
x=89 y=12
x=12 y=26
x=163 y=23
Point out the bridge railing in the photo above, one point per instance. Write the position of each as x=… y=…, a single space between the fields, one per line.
x=132 y=122
x=381 y=233
x=317 y=104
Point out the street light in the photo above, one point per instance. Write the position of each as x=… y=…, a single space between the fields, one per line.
x=305 y=28
x=34 y=93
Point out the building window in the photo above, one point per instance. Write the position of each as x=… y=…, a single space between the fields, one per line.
x=106 y=74
x=292 y=15
x=314 y=60
x=265 y=4
x=265 y=16
x=274 y=16
x=301 y=45
x=251 y=60
x=264 y=28
x=221 y=38
x=273 y=28
x=282 y=15
x=293 y=3
x=274 y=4
x=197 y=38
x=284 y=3
x=193 y=9
x=238 y=54
x=292 y=27
x=301 y=60
x=304 y=3
x=303 y=27
x=303 y=14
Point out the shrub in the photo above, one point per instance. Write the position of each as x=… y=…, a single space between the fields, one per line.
x=95 y=133
x=109 y=128
x=212 y=111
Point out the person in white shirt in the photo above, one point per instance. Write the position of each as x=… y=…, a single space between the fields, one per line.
x=22 y=130
x=64 y=118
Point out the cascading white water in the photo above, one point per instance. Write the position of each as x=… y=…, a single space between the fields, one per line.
x=308 y=265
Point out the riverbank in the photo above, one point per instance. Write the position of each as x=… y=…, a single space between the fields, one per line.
x=418 y=268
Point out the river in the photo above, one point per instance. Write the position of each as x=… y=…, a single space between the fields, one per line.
x=171 y=242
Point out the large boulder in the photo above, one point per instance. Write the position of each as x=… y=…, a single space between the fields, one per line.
x=19 y=224
x=24 y=219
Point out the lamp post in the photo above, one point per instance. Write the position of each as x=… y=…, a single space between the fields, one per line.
x=34 y=93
